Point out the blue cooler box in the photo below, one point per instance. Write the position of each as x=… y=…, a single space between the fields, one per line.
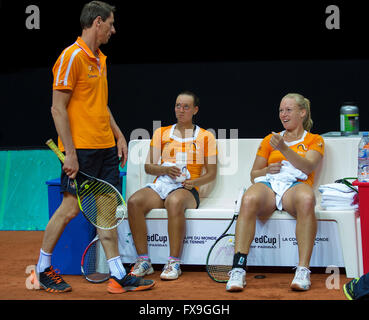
x=77 y=234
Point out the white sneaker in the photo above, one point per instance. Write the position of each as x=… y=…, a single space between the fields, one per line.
x=237 y=280
x=301 y=281
x=171 y=271
x=142 y=267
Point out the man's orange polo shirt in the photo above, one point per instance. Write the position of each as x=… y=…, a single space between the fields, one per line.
x=77 y=69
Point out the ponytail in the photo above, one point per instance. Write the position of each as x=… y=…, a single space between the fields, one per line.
x=308 y=122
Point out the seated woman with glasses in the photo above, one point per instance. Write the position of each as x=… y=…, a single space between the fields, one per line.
x=188 y=160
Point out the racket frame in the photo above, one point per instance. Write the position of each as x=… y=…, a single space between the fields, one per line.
x=107 y=275
x=51 y=144
x=224 y=234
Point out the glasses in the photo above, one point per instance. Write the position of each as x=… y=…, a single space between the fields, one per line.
x=186 y=107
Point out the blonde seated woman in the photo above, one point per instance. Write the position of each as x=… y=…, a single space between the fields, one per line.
x=197 y=148
x=303 y=152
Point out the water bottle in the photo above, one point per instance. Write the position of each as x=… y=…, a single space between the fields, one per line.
x=363 y=159
x=181 y=163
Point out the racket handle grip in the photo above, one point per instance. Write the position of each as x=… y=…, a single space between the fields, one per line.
x=50 y=143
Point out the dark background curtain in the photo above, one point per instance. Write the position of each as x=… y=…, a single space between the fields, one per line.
x=240 y=59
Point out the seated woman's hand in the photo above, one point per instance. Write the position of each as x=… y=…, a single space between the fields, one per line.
x=277 y=142
x=274 y=168
x=173 y=172
x=188 y=184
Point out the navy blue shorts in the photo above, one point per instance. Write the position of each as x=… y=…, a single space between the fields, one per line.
x=195 y=194
x=98 y=163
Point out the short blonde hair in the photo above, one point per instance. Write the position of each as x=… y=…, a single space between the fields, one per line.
x=303 y=103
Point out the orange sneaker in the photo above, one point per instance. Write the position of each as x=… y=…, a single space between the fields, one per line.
x=49 y=280
x=129 y=283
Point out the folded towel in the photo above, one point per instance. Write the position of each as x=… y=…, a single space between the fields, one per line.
x=329 y=205
x=340 y=187
x=280 y=182
x=165 y=184
x=338 y=196
x=333 y=194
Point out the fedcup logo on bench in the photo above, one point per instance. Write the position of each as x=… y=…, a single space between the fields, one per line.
x=157 y=240
x=266 y=241
x=227 y=161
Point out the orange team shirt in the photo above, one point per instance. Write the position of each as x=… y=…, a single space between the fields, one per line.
x=78 y=70
x=309 y=141
x=197 y=148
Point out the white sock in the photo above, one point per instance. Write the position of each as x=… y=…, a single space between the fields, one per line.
x=116 y=267
x=44 y=261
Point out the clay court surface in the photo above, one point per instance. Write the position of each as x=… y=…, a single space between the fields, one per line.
x=19 y=249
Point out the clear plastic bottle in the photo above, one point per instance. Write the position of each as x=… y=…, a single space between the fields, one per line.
x=181 y=163
x=363 y=158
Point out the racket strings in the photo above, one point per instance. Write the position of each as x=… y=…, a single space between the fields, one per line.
x=99 y=202
x=220 y=259
x=89 y=260
x=220 y=272
x=94 y=264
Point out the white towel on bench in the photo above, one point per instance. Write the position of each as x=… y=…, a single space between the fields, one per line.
x=338 y=196
x=281 y=181
x=165 y=184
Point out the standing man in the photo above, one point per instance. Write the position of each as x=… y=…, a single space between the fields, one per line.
x=91 y=140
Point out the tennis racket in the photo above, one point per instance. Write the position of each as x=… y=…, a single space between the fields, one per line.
x=220 y=257
x=100 y=202
x=94 y=266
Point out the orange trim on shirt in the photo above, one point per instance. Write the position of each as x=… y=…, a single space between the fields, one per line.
x=202 y=146
x=310 y=142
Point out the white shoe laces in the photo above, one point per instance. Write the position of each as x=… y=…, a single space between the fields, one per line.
x=301 y=273
x=138 y=263
x=169 y=265
x=236 y=274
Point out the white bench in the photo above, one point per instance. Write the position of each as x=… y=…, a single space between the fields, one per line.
x=235 y=160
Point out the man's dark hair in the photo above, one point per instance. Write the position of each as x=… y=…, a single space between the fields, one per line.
x=94 y=9
x=196 y=99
